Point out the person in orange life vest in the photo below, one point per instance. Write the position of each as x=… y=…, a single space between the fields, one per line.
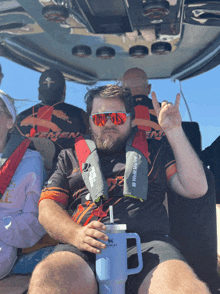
x=52 y=118
x=68 y=211
x=145 y=117
x=19 y=225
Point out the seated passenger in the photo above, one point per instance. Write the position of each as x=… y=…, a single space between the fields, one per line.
x=145 y=117
x=74 y=210
x=20 y=188
x=52 y=118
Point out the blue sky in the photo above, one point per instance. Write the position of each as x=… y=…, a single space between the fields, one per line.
x=202 y=94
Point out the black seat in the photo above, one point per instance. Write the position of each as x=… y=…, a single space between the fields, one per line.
x=193 y=222
x=193 y=134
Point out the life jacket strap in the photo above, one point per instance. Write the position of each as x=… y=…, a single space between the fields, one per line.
x=136 y=168
x=90 y=168
x=10 y=164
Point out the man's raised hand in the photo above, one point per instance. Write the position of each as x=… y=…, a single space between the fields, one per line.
x=168 y=115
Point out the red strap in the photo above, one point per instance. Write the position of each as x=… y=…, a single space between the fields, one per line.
x=9 y=167
x=142 y=112
x=140 y=143
x=82 y=150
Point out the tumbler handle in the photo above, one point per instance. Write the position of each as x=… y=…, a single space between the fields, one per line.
x=139 y=253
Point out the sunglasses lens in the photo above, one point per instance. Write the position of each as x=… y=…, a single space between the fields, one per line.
x=118 y=118
x=99 y=119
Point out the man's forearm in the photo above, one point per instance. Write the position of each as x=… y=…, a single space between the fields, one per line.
x=57 y=222
x=190 y=172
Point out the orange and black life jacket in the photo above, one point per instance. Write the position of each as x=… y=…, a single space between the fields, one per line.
x=136 y=168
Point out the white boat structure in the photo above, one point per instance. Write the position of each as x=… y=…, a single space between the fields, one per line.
x=97 y=40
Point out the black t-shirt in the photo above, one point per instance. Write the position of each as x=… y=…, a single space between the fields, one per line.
x=60 y=123
x=67 y=186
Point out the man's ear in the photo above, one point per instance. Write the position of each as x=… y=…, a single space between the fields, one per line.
x=149 y=89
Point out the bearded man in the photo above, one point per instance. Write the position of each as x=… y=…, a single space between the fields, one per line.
x=96 y=173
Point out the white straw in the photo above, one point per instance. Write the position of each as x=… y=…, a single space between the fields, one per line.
x=111 y=214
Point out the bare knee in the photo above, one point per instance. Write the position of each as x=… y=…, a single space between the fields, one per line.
x=173 y=276
x=63 y=272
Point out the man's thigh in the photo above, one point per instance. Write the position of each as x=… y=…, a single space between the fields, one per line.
x=85 y=255
x=154 y=252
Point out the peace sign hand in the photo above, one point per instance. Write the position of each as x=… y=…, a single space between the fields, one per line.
x=168 y=115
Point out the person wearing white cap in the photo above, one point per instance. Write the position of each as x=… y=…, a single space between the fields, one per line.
x=19 y=225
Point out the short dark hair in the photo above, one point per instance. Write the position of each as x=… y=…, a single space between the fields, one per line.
x=111 y=92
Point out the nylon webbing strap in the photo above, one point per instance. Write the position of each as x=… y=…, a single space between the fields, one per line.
x=10 y=160
x=13 y=143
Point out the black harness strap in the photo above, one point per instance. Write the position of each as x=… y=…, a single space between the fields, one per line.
x=10 y=160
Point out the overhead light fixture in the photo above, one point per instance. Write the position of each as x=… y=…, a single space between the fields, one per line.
x=81 y=51
x=55 y=13
x=156 y=9
x=138 y=51
x=161 y=48
x=105 y=52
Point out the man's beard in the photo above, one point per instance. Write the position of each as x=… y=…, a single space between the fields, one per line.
x=110 y=144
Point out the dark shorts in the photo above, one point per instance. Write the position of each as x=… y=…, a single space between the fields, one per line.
x=155 y=250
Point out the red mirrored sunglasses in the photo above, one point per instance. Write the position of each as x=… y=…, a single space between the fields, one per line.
x=117 y=118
